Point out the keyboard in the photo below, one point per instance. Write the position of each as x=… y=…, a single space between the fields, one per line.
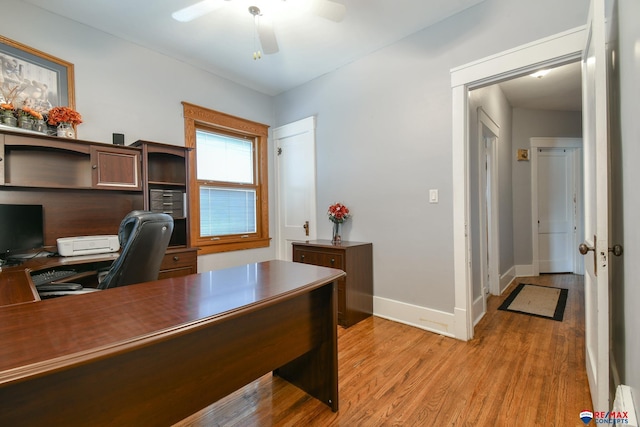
x=47 y=277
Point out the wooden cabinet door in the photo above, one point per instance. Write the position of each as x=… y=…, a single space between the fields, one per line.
x=115 y=168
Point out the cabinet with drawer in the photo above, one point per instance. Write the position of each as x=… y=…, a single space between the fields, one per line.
x=167 y=201
x=355 y=291
x=179 y=262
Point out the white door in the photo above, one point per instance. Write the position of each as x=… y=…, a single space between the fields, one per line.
x=296 y=184
x=596 y=157
x=556 y=210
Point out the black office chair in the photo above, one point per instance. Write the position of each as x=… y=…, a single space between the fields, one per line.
x=144 y=237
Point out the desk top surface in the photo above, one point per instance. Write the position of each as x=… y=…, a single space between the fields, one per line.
x=61 y=332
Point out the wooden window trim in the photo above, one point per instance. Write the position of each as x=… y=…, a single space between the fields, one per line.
x=196 y=116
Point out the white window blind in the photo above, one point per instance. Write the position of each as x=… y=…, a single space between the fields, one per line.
x=225 y=211
x=224 y=158
x=229 y=207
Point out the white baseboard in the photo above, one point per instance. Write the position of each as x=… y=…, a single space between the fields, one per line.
x=461 y=331
x=507 y=278
x=428 y=319
x=478 y=310
x=525 y=270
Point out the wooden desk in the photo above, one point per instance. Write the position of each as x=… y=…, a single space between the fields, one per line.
x=156 y=352
x=16 y=286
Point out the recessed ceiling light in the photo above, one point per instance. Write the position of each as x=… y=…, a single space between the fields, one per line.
x=540 y=74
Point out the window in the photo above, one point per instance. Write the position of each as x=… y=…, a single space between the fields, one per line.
x=228 y=193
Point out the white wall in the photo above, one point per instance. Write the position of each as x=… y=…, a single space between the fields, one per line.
x=121 y=87
x=384 y=139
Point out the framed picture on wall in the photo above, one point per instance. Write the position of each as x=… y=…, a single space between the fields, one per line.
x=29 y=77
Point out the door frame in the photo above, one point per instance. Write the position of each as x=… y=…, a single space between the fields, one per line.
x=489 y=213
x=555 y=50
x=575 y=145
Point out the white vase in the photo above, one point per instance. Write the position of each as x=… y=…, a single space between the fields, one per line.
x=65 y=130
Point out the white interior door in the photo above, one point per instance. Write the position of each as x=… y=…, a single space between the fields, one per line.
x=596 y=157
x=556 y=210
x=296 y=183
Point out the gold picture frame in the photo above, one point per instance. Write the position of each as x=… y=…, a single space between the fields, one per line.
x=523 y=154
x=34 y=78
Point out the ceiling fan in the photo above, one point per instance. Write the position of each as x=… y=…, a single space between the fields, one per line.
x=324 y=8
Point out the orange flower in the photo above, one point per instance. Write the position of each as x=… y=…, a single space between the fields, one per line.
x=59 y=115
x=5 y=106
x=26 y=111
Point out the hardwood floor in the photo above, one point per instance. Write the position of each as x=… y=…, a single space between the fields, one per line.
x=519 y=370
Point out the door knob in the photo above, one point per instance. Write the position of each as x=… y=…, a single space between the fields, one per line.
x=306 y=228
x=616 y=250
x=583 y=248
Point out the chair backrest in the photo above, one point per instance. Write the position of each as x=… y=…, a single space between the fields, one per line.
x=144 y=237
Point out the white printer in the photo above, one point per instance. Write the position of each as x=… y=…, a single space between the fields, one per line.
x=86 y=245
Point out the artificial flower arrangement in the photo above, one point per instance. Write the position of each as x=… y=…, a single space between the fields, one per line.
x=8 y=116
x=338 y=213
x=67 y=115
x=7 y=108
x=30 y=113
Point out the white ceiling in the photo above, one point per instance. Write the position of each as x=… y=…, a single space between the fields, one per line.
x=223 y=41
x=560 y=89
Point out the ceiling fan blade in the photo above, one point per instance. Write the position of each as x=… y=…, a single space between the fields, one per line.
x=197 y=10
x=329 y=10
x=267 y=37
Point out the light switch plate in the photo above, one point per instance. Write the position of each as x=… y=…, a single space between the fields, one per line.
x=433 y=196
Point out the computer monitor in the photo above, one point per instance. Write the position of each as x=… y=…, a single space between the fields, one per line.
x=21 y=229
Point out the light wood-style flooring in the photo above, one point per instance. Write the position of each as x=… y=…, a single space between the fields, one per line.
x=518 y=370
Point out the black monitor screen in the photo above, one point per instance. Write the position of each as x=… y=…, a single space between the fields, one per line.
x=20 y=228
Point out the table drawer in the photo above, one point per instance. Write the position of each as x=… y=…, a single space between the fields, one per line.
x=321 y=258
x=178 y=263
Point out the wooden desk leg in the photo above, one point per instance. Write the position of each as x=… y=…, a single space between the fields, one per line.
x=316 y=371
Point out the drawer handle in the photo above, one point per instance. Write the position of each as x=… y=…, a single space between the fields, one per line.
x=175 y=258
x=333 y=261
x=301 y=257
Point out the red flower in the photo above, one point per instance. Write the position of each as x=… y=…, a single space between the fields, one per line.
x=338 y=213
